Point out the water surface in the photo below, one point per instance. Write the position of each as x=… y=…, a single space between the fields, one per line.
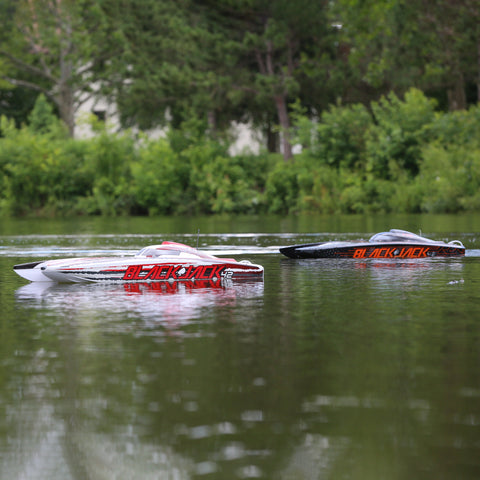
x=328 y=369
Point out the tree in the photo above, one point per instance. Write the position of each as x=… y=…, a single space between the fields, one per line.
x=454 y=51
x=60 y=48
x=430 y=44
x=159 y=64
x=226 y=60
x=279 y=44
x=181 y=63
x=15 y=103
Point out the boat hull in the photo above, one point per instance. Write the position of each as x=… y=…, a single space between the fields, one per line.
x=170 y=262
x=31 y=271
x=367 y=250
x=138 y=272
x=152 y=273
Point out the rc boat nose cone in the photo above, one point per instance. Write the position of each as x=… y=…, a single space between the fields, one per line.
x=31 y=271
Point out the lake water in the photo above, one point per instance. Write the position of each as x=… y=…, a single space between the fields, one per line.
x=328 y=369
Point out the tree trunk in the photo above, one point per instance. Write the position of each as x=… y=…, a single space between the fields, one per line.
x=212 y=122
x=282 y=112
x=66 y=108
x=66 y=96
x=266 y=67
x=272 y=139
x=478 y=71
x=457 y=99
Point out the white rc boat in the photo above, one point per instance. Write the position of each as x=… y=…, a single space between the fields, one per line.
x=169 y=261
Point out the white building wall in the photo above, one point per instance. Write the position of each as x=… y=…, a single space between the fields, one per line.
x=247 y=140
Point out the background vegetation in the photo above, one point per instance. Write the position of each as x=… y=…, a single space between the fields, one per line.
x=382 y=95
x=396 y=156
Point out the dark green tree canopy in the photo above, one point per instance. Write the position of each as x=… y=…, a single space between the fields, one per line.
x=163 y=62
x=60 y=49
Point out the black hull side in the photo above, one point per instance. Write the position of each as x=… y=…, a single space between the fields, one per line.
x=365 y=251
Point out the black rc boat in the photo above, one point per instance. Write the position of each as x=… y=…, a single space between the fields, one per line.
x=390 y=245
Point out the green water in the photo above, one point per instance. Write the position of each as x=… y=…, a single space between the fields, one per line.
x=325 y=370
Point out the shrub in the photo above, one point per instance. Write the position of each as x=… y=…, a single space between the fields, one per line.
x=282 y=188
x=38 y=172
x=107 y=161
x=228 y=185
x=459 y=128
x=42 y=120
x=319 y=188
x=401 y=128
x=449 y=179
x=159 y=179
x=338 y=139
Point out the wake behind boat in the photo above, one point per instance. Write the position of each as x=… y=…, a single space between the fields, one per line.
x=169 y=261
x=392 y=244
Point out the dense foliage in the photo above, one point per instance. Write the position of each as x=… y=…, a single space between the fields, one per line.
x=160 y=62
x=396 y=156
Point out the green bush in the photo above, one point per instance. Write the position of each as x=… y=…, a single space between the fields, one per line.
x=458 y=128
x=449 y=179
x=319 y=188
x=42 y=120
x=39 y=172
x=404 y=158
x=229 y=184
x=107 y=162
x=159 y=179
x=282 y=188
x=401 y=128
x=338 y=138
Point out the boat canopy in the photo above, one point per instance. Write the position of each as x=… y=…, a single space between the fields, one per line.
x=157 y=251
x=395 y=235
x=173 y=248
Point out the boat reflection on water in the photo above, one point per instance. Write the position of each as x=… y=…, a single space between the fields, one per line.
x=378 y=274
x=412 y=273
x=157 y=304
x=408 y=268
